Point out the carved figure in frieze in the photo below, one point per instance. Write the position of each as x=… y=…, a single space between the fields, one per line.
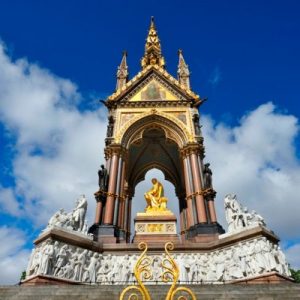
x=124 y=272
x=247 y=249
x=79 y=264
x=131 y=264
x=35 y=265
x=211 y=274
x=47 y=261
x=30 y=262
x=282 y=264
x=157 y=270
x=271 y=257
x=68 y=270
x=242 y=258
x=193 y=276
x=115 y=269
x=203 y=265
x=185 y=268
x=104 y=271
x=234 y=265
x=218 y=260
x=260 y=262
x=61 y=259
x=91 y=270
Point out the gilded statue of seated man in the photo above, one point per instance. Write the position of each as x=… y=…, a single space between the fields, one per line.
x=155 y=197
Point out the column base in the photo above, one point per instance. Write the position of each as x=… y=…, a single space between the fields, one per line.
x=108 y=234
x=203 y=232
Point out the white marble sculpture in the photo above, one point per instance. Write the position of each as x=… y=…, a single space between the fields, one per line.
x=74 y=220
x=246 y=259
x=238 y=217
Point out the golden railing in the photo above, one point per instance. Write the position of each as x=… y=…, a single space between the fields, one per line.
x=143 y=271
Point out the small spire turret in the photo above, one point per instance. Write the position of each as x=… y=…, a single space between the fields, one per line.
x=122 y=73
x=152 y=54
x=183 y=71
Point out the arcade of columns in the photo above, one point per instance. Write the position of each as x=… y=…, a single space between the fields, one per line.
x=196 y=198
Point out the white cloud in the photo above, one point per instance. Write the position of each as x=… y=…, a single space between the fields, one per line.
x=13 y=258
x=292 y=254
x=59 y=148
x=257 y=160
x=8 y=202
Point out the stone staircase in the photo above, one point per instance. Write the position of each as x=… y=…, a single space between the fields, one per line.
x=158 y=292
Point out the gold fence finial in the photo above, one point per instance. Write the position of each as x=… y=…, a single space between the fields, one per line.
x=142 y=271
x=171 y=274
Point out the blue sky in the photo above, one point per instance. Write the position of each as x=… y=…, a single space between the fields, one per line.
x=243 y=56
x=249 y=48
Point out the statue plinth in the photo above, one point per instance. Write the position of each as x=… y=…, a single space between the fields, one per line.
x=155 y=227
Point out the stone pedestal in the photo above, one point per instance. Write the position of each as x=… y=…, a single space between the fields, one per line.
x=155 y=228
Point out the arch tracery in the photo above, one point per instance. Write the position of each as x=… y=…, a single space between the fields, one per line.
x=166 y=121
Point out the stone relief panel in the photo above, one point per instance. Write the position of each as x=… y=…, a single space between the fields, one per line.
x=243 y=260
x=150 y=227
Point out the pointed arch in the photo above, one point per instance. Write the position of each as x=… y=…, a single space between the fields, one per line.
x=173 y=128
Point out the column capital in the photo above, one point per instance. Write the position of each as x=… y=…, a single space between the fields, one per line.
x=115 y=149
x=193 y=148
x=209 y=193
x=100 y=195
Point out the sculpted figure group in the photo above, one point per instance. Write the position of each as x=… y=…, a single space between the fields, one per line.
x=238 y=217
x=75 y=220
x=246 y=259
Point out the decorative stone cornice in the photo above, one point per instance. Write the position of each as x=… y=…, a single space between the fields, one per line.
x=147 y=104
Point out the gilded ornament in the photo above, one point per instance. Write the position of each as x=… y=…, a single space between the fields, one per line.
x=171 y=274
x=142 y=271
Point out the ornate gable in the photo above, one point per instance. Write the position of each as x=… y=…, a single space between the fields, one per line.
x=154 y=84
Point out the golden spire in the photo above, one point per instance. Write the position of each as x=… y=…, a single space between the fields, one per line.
x=183 y=72
x=122 y=73
x=152 y=54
